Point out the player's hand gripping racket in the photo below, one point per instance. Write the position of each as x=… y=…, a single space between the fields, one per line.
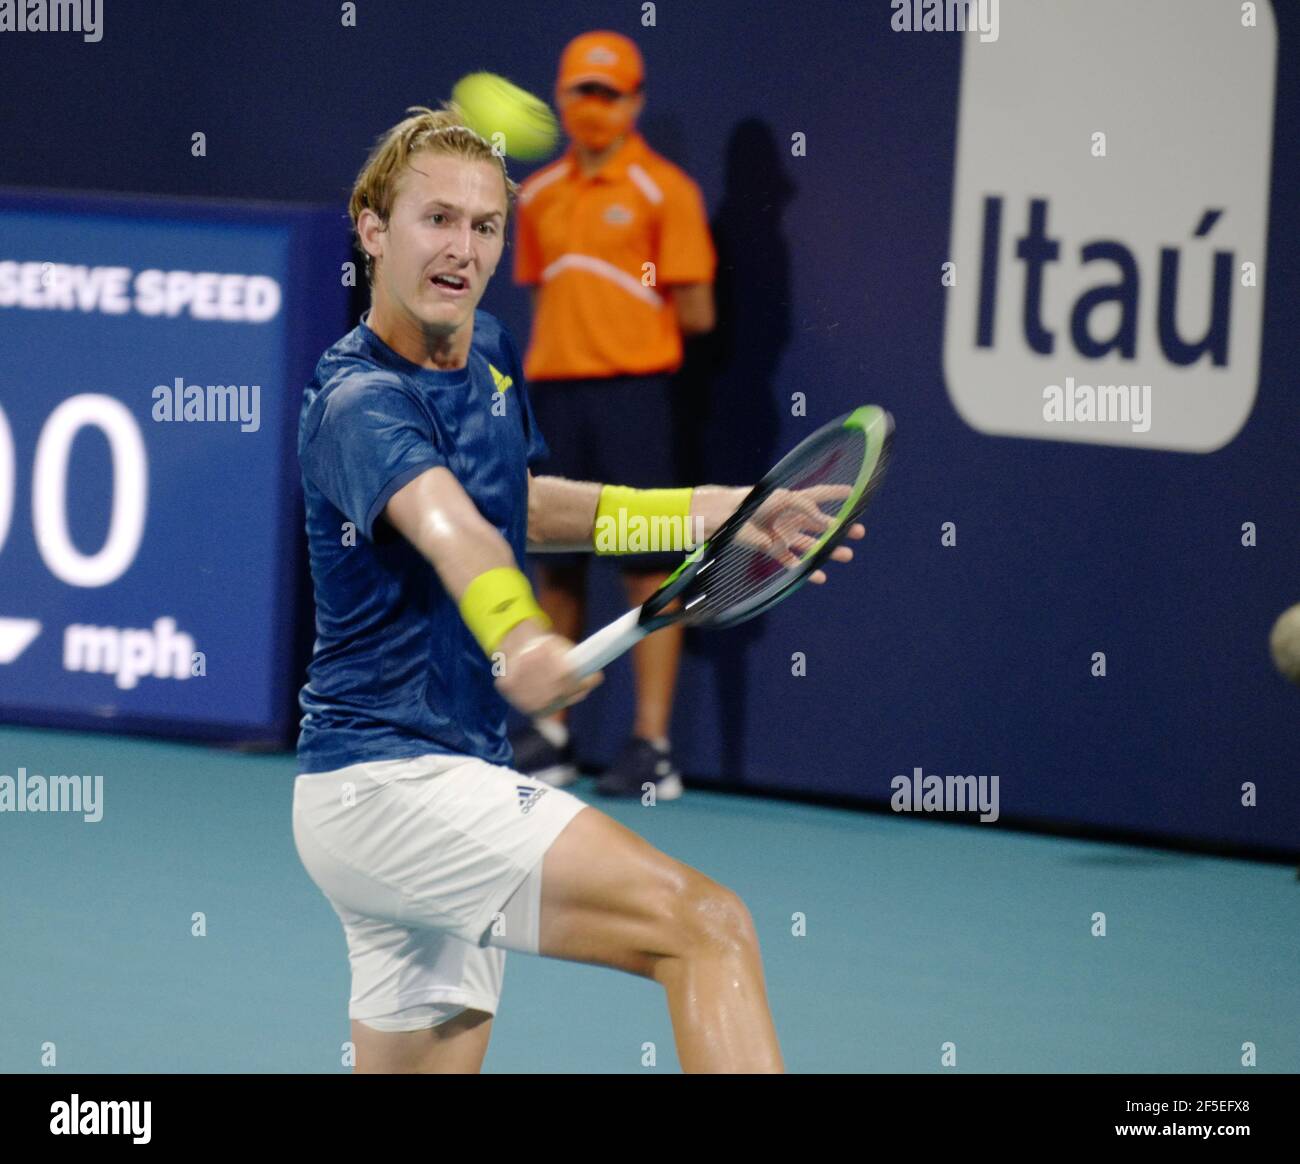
x=783 y=530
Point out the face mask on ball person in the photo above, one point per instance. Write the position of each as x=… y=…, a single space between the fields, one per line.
x=595 y=123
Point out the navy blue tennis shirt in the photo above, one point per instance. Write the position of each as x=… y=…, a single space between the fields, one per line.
x=395 y=671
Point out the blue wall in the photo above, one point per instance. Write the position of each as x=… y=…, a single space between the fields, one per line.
x=967 y=660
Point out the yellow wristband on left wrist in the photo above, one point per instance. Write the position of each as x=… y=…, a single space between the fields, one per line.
x=634 y=521
x=497 y=601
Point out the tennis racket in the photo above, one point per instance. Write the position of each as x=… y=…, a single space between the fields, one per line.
x=783 y=530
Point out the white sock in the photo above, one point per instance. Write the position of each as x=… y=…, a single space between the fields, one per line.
x=661 y=743
x=554 y=731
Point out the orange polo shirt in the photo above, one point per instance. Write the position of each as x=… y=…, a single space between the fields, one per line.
x=586 y=242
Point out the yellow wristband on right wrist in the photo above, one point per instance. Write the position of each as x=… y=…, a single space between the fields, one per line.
x=495 y=603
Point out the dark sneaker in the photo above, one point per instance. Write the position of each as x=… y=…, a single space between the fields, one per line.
x=538 y=758
x=641 y=763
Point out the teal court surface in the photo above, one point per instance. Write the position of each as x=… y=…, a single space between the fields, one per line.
x=884 y=938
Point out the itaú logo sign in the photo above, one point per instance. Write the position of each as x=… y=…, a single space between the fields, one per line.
x=1107 y=265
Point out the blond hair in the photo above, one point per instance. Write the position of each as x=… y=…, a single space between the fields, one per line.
x=440 y=131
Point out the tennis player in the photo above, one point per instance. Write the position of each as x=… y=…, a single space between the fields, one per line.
x=416 y=438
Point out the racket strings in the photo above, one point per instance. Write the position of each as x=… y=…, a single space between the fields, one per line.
x=742 y=572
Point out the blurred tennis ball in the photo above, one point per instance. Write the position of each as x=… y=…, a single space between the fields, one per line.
x=1284 y=642
x=492 y=105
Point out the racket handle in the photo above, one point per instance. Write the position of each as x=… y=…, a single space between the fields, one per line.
x=591 y=655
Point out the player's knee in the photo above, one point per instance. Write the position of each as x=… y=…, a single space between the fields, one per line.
x=711 y=919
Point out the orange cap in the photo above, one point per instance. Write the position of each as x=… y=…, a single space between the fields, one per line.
x=608 y=58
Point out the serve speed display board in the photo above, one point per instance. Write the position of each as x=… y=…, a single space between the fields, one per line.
x=154 y=358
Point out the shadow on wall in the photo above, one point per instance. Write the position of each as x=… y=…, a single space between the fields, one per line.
x=728 y=408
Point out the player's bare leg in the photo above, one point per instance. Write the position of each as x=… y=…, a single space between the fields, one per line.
x=655 y=660
x=612 y=899
x=562 y=594
x=455 y=1047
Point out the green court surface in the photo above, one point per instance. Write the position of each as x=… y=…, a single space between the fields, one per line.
x=918 y=934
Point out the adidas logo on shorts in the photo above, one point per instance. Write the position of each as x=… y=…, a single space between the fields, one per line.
x=528 y=796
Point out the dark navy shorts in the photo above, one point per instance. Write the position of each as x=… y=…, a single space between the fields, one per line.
x=616 y=430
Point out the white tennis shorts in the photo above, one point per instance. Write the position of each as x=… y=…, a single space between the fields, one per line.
x=434 y=866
